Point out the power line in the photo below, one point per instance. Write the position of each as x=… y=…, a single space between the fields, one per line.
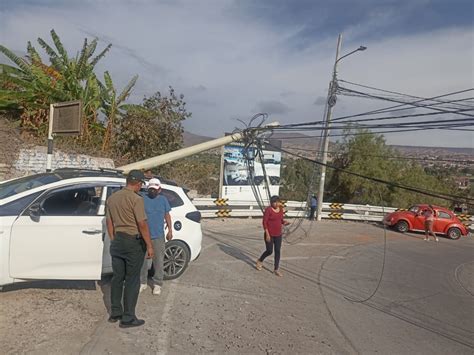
x=444 y=127
x=388 y=183
x=342 y=91
x=291 y=125
x=407 y=95
x=393 y=157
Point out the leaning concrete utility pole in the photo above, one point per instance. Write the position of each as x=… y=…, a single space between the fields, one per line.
x=186 y=152
x=331 y=101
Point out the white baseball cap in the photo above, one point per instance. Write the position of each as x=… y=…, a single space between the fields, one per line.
x=154 y=184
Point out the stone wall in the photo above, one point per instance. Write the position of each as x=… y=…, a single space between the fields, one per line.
x=33 y=160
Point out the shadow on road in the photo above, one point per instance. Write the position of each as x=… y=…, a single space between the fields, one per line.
x=52 y=284
x=237 y=253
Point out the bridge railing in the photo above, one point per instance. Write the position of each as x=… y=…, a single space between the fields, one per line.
x=212 y=208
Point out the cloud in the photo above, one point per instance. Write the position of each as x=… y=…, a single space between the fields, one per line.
x=227 y=55
x=320 y=101
x=272 y=107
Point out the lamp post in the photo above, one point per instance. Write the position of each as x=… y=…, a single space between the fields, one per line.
x=331 y=101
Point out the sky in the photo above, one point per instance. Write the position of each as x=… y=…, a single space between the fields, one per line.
x=232 y=59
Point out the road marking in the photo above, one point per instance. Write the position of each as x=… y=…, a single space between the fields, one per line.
x=164 y=338
x=287 y=258
x=323 y=244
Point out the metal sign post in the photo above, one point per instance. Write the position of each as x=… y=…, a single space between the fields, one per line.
x=49 y=158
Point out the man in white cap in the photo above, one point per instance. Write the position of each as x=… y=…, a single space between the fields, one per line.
x=157 y=209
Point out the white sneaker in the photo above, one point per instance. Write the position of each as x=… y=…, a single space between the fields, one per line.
x=157 y=290
x=143 y=287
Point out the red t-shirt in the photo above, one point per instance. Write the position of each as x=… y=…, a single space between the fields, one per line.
x=272 y=221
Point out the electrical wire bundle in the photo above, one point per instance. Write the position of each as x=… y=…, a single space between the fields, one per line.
x=432 y=107
x=256 y=135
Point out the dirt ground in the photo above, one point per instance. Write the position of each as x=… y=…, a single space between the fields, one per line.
x=222 y=304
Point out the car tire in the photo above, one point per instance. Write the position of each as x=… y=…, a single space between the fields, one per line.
x=454 y=233
x=401 y=226
x=176 y=261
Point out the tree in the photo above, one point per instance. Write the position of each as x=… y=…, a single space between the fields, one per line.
x=199 y=172
x=30 y=85
x=113 y=106
x=296 y=176
x=152 y=128
x=367 y=154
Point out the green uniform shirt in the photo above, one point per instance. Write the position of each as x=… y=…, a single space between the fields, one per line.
x=125 y=208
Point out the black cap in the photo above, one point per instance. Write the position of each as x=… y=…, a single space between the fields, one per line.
x=136 y=175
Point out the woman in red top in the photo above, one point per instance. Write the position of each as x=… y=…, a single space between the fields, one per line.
x=272 y=222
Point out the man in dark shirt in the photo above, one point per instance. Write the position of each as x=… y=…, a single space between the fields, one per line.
x=130 y=239
x=313 y=205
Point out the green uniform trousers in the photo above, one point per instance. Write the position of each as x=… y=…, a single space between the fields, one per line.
x=128 y=254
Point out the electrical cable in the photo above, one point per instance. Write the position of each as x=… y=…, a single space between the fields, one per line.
x=382 y=269
x=373 y=112
x=451 y=122
x=396 y=157
x=406 y=95
x=448 y=197
x=381 y=132
x=344 y=91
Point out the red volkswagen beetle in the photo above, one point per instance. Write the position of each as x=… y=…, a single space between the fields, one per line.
x=445 y=221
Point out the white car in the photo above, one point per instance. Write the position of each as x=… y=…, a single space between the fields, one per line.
x=53 y=226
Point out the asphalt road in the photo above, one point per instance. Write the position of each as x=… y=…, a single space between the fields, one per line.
x=424 y=302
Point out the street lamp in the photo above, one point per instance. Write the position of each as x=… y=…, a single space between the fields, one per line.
x=331 y=101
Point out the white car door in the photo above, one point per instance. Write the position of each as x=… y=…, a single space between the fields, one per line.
x=60 y=236
x=106 y=258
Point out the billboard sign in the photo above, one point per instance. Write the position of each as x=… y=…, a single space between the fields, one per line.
x=242 y=166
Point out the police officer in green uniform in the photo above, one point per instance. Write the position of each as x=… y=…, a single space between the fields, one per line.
x=130 y=241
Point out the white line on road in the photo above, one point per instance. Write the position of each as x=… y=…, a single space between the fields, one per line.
x=323 y=244
x=287 y=258
x=164 y=338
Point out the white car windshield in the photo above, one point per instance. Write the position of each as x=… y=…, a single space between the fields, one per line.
x=16 y=186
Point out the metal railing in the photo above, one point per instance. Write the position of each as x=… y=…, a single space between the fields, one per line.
x=212 y=208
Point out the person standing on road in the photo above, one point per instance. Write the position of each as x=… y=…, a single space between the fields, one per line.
x=130 y=240
x=272 y=222
x=429 y=214
x=313 y=203
x=157 y=209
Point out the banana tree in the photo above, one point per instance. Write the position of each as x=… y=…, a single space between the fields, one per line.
x=112 y=105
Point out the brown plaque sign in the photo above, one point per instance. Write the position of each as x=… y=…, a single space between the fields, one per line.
x=67 y=118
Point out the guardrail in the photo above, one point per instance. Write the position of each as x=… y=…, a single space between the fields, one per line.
x=212 y=208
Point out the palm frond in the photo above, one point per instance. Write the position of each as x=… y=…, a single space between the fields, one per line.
x=100 y=55
x=20 y=62
x=8 y=69
x=127 y=89
x=53 y=56
x=91 y=48
x=82 y=60
x=109 y=83
x=33 y=54
x=59 y=46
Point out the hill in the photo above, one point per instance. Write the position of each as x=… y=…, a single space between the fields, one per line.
x=297 y=142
